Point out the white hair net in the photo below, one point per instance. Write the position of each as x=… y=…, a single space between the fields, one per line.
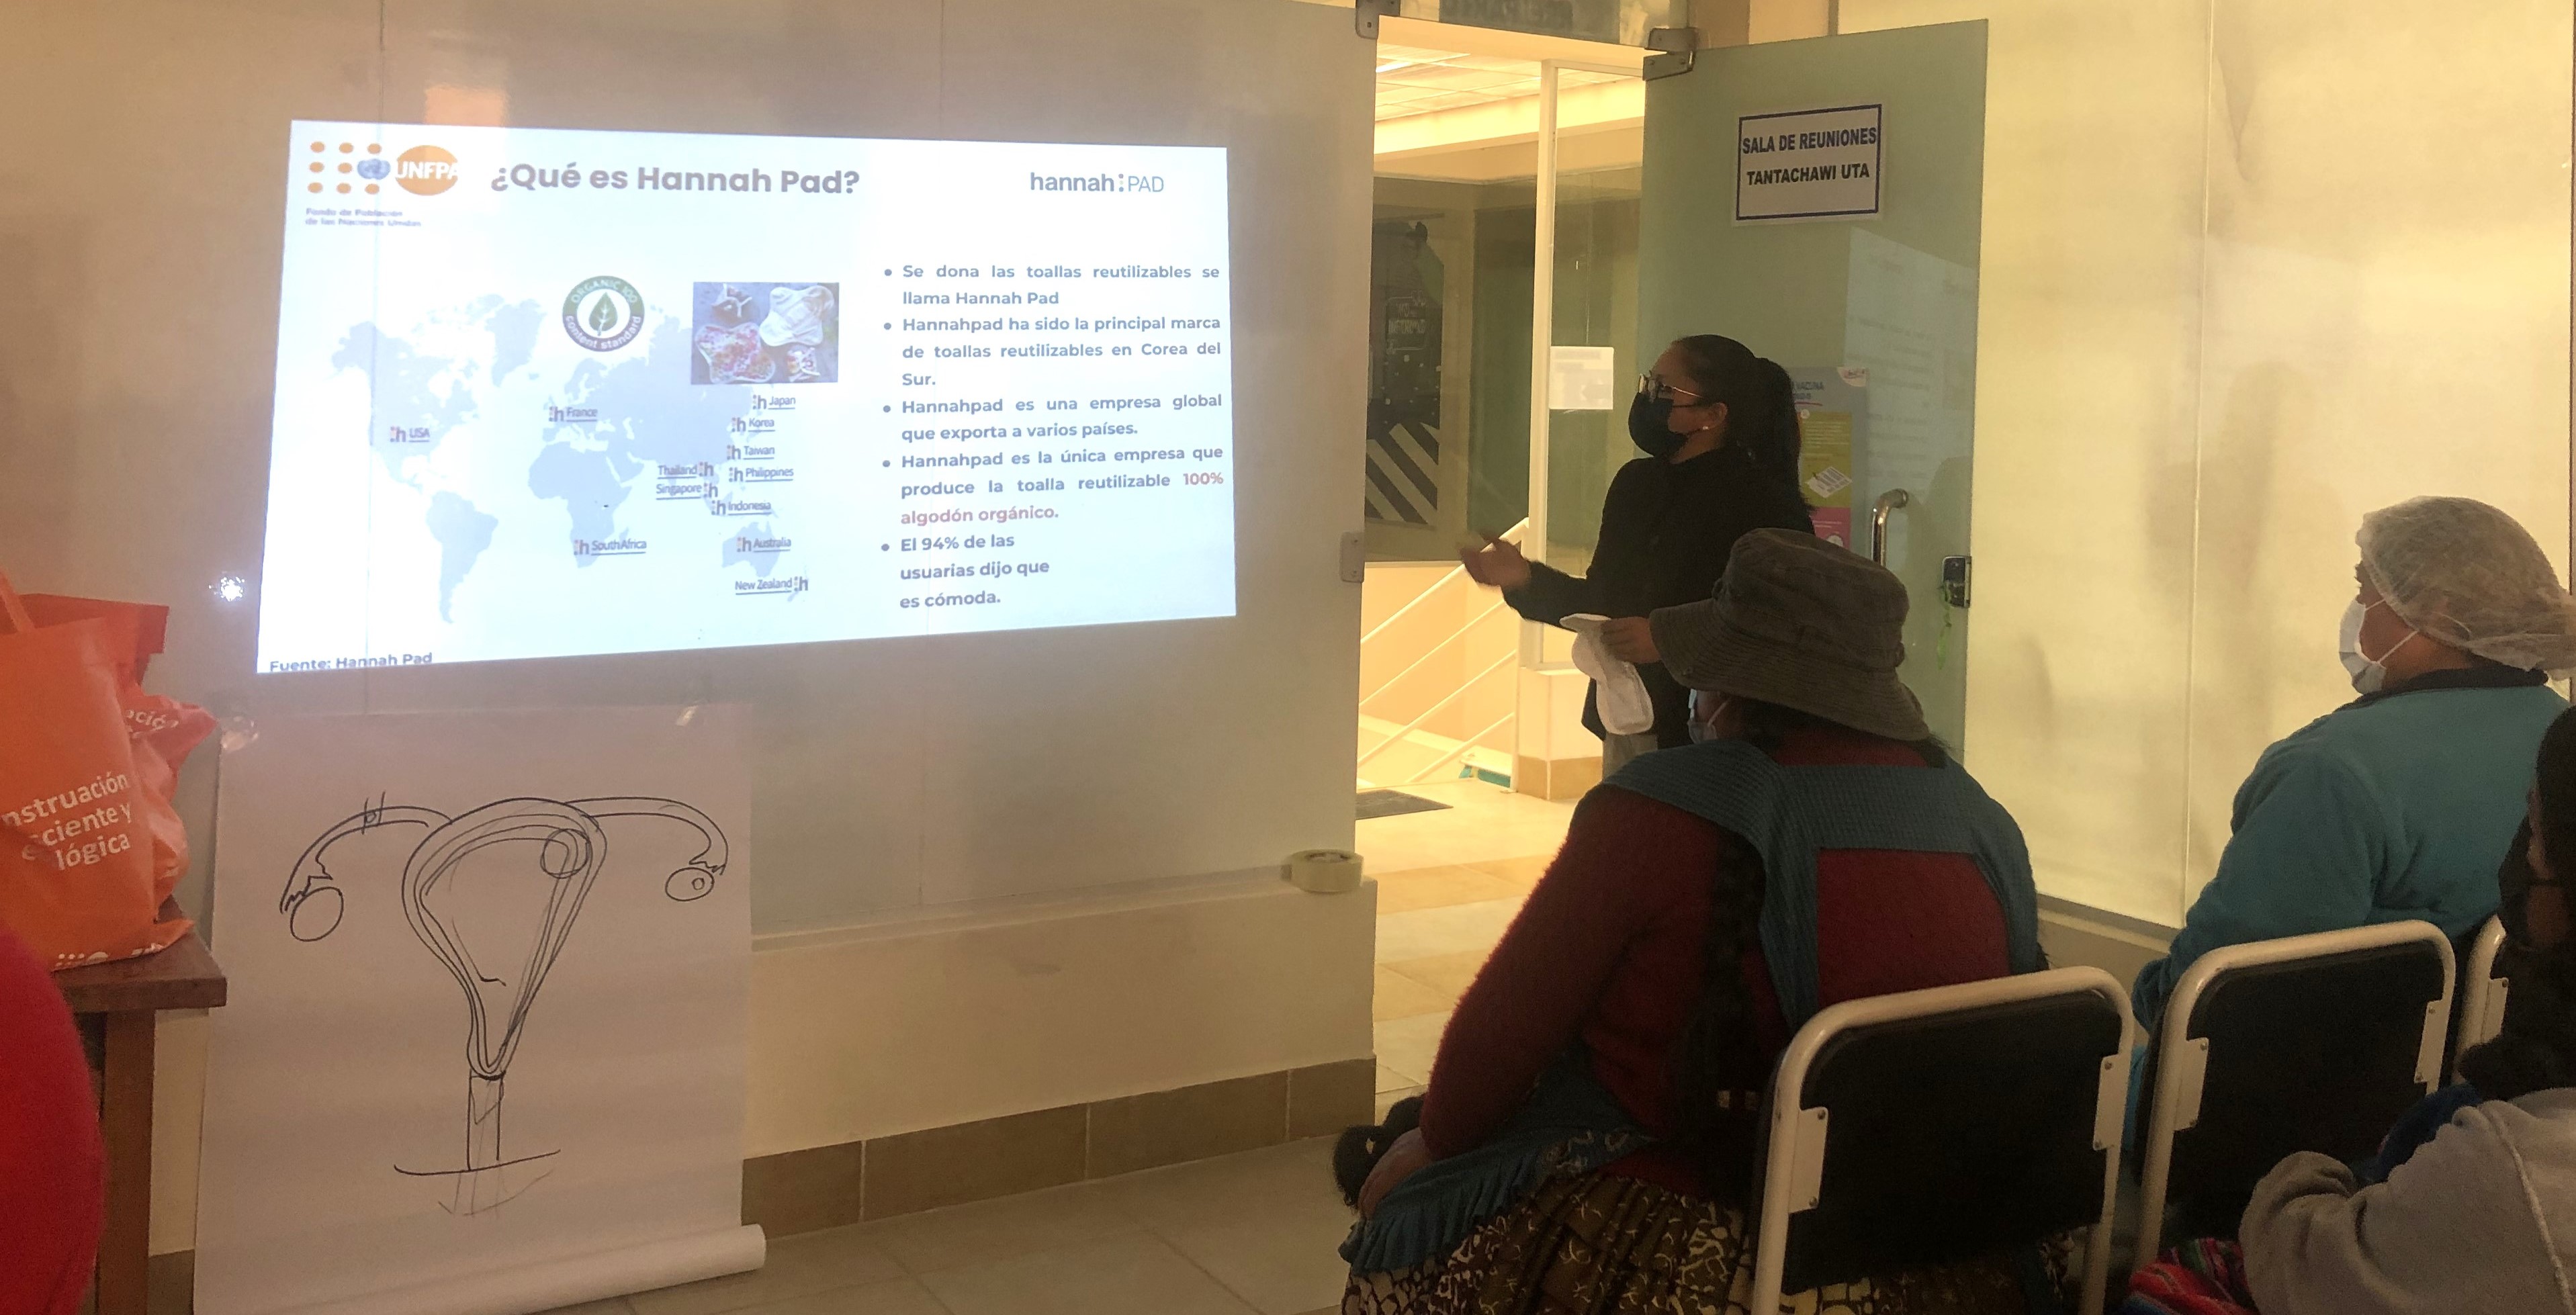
x=2471 y=577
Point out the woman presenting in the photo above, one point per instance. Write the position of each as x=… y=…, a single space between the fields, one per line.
x=1720 y=429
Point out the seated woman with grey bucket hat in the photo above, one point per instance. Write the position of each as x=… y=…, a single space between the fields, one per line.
x=1587 y=1141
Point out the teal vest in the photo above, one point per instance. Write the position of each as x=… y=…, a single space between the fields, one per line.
x=1570 y=1125
x=1788 y=814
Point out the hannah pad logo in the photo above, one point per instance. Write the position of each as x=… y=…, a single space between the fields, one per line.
x=421 y=171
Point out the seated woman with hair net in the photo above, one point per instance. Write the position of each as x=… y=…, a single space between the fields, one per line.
x=2402 y=803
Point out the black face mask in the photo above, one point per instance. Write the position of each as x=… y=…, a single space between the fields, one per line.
x=1650 y=425
x=2517 y=883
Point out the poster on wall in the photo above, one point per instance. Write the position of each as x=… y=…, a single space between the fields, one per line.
x=1582 y=379
x=1808 y=165
x=489 y=981
x=1833 y=417
x=1911 y=322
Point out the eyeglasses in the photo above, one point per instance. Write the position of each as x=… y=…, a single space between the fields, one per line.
x=1656 y=388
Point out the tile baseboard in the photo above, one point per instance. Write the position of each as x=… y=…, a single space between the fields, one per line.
x=854 y=1182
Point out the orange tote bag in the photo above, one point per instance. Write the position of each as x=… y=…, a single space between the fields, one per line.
x=164 y=730
x=77 y=844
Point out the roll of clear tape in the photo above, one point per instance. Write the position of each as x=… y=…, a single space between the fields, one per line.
x=1324 y=871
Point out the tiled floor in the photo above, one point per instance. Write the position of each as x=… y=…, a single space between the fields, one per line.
x=1250 y=1234
x=1448 y=882
x=1484 y=824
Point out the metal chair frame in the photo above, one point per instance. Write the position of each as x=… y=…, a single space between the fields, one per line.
x=2182 y=1062
x=1795 y=1164
x=2482 y=994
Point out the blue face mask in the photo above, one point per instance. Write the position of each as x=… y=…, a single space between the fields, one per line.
x=1703 y=705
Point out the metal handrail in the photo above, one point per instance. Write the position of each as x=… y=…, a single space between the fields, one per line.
x=1452 y=697
x=1461 y=751
x=1451 y=574
x=1431 y=652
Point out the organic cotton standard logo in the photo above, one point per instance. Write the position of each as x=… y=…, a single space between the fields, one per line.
x=425 y=170
x=603 y=313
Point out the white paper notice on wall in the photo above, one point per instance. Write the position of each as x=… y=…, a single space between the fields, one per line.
x=1578 y=379
x=1808 y=165
x=489 y=982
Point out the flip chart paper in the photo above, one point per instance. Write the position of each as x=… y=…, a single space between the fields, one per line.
x=489 y=980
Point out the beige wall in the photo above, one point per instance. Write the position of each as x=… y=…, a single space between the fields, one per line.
x=2251 y=268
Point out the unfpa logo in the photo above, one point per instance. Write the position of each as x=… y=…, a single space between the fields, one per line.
x=421 y=171
x=425 y=170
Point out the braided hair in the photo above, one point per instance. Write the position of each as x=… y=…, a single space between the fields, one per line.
x=1716 y=1084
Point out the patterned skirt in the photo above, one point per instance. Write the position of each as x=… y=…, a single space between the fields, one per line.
x=1605 y=1245
x=2201 y=1277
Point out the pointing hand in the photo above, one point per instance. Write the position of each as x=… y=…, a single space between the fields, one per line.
x=1497 y=565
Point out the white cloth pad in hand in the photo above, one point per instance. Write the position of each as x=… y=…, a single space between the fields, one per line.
x=1626 y=708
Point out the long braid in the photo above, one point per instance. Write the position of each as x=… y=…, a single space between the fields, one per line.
x=1715 y=1122
x=1717 y=1114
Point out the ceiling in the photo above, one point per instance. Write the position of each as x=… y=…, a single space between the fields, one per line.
x=1416 y=80
x=1460 y=103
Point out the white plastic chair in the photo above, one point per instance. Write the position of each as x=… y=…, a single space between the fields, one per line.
x=1940 y=1125
x=2482 y=993
x=2313 y=1043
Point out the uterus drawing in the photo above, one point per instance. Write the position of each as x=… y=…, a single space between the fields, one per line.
x=460 y=890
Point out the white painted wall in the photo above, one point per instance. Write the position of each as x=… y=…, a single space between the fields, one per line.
x=874 y=1030
x=139 y=246
x=1551 y=715
x=2250 y=270
x=910 y=794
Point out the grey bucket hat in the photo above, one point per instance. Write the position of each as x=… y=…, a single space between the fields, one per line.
x=1804 y=624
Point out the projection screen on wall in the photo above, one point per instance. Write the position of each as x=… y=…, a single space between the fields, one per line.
x=543 y=393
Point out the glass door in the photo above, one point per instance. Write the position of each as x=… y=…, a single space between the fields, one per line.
x=1821 y=202
x=1485 y=356
x=1584 y=297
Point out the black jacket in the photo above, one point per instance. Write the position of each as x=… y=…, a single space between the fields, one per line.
x=1666 y=531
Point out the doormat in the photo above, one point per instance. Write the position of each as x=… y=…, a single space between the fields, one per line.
x=1394 y=803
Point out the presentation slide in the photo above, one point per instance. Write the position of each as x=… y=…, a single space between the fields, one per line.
x=543 y=393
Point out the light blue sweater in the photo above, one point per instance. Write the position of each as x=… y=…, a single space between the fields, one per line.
x=2392 y=808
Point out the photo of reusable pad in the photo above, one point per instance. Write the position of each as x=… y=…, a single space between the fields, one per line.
x=1626 y=708
x=766 y=333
